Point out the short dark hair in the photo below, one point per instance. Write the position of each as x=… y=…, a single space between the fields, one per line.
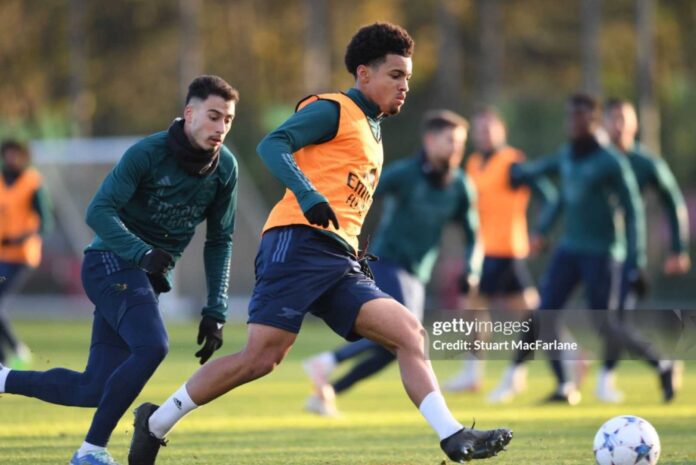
x=616 y=102
x=371 y=45
x=438 y=120
x=204 y=86
x=12 y=144
x=582 y=99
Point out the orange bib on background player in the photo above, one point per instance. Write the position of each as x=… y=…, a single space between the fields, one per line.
x=502 y=209
x=18 y=217
x=345 y=170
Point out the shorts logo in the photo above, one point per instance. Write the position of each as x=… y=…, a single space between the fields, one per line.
x=289 y=313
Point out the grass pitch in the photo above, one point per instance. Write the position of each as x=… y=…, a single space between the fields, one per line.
x=263 y=422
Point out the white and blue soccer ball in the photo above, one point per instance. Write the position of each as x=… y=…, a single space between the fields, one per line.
x=626 y=440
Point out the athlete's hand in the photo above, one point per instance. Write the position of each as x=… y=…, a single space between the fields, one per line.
x=157 y=261
x=159 y=283
x=678 y=263
x=321 y=214
x=638 y=282
x=537 y=244
x=210 y=335
x=464 y=284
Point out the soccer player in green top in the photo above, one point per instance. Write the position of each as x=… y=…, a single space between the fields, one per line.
x=651 y=172
x=591 y=177
x=144 y=215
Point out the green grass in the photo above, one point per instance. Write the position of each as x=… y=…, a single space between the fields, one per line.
x=263 y=423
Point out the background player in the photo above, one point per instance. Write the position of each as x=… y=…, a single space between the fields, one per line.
x=422 y=195
x=505 y=281
x=329 y=156
x=144 y=214
x=651 y=172
x=25 y=217
x=590 y=176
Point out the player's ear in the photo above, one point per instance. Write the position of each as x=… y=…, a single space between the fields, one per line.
x=363 y=73
x=188 y=112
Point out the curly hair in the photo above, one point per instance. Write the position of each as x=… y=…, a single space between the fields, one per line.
x=371 y=45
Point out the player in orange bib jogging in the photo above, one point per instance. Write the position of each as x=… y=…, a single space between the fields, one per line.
x=25 y=215
x=308 y=259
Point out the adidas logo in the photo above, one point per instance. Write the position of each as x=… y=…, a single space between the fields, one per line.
x=177 y=402
x=165 y=181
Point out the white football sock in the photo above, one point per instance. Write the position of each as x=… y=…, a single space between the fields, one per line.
x=170 y=412
x=435 y=411
x=88 y=448
x=4 y=371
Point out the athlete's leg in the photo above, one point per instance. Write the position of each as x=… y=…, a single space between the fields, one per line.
x=142 y=329
x=353 y=349
x=9 y=275
x=378 y=359
x=558 y=283
x=265 y=348
x=389 y=323
x=617 y=334
x=67 y=387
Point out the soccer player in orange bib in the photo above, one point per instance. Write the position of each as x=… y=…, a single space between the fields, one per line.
x=25 y=216
x=329 y=156
x=502 y=206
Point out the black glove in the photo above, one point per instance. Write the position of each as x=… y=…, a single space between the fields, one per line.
x=364 y=260
x=638 y=283
x=321 y=214
x=157 y=261
x=159 y=283
x=464 y=284
x=210 y=335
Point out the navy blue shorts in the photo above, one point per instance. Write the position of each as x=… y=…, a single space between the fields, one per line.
x=300 y=270
x=504 y=276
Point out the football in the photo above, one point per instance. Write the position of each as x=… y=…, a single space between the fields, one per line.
x=626 y=440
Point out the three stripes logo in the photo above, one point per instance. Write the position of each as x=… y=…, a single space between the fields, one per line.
x=282 y=246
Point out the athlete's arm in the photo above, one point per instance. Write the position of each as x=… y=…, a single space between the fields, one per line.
x=314 y=124
x=523 y=173
x=217 y=252
x=112 y=195
x=470 y=222
x=533 y=173
x=624 y=183
x=41 y=203
x=673 y=202
x=550 y=207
